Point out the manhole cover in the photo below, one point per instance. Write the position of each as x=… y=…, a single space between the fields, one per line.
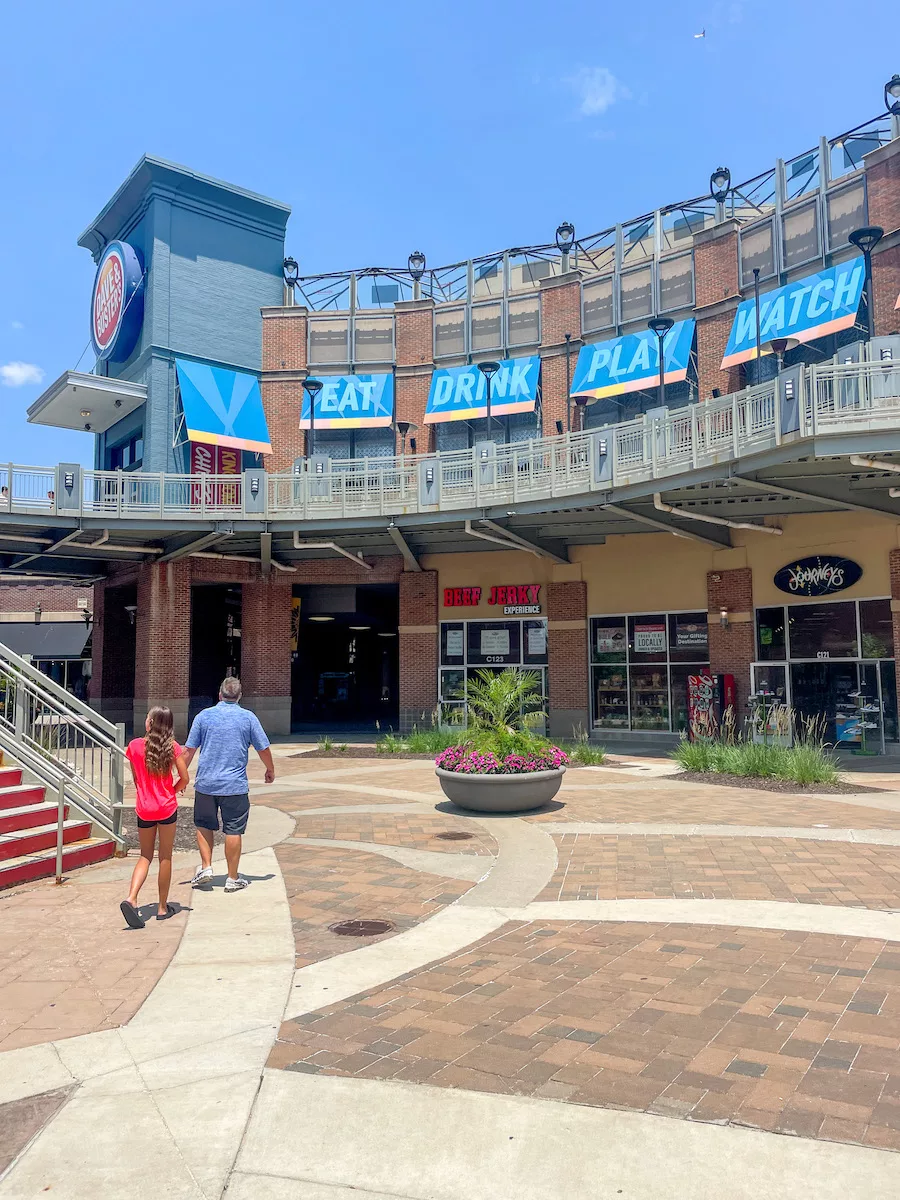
x=453 y=835
x=361 y=928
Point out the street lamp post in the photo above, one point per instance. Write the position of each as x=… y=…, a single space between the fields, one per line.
x=488 y=370
x=756 y=303
x=892 y=104
x=568 y=338
x=565 y=240
x=719 y=187
x=404 y=428
x=866 y=239
x=416 y=267
x=312 y=387
x=291 y=274
x=661 y=326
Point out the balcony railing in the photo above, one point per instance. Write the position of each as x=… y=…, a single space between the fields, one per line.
x=799 y=404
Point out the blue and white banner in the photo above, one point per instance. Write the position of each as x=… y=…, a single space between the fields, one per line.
x=351 y=402
x=460 y=393
x=631 y=363
x=805 y=309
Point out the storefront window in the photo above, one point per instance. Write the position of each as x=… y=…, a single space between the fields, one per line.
x=471 y=646
x=877 y=627
x=770 y=643
x=640 y=669
x=822 y=630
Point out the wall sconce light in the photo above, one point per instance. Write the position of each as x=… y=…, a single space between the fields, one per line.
x=254 y=486
x=131 y=609
x=68 y=481
x=37 y=613
x=320 y=468
x=412 y=445
x=723 y=617
x=559 y=427
x=429 y=476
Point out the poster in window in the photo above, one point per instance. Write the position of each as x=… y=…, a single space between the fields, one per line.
x=649 y=639
x=495 y=641
x=537 y=641
x=611 y=639
x=691 y=635
x=454 y=643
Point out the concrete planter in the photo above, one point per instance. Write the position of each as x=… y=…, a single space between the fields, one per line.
x=500 y=793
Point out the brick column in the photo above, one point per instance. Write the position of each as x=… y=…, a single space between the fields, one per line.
x=732 y=647
x=717 y=293
x=283 y=372
x=414 y=339
x=567 y=654
x=163 y=632
x=266 y=650
x=113 y=650
x=560 y=314
x=883 y=193
x=894 y=560
x=418 y=647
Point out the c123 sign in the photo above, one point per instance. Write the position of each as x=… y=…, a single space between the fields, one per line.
x=817 y=576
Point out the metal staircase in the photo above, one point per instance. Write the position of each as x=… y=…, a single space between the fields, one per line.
x=61 y=785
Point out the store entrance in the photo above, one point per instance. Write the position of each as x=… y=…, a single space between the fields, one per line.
x=215 y=641
x=345 y=672
x=822 y=691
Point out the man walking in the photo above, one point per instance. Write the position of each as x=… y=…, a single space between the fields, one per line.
x=223 y=735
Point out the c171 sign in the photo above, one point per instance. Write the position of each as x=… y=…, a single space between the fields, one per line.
x=818 y=576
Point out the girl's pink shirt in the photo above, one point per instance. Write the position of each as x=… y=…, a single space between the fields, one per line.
x=156 y=799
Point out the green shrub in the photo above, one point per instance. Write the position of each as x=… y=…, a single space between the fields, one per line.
x=430 y=741
x=694 y=756
x=389 y=743
x=807 y=762
x=325 y=743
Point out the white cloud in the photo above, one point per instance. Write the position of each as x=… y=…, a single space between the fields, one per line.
x=18 y=374
x=16 y=325
x=597 y=89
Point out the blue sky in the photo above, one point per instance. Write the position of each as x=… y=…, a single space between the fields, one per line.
x=395 y=126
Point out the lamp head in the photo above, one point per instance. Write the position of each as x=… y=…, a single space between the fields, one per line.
x=892 y=95
x=720 y=184
x=660 y=325
x=291 y=271
x=416 y=265
x=489 y=369
x=565 y=236
x=312 y=387
x=867 y=238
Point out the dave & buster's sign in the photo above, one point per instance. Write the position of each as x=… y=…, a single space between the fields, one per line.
x=117 y=302
x=517 y=599
x=817 y=576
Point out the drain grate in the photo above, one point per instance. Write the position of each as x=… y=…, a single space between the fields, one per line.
x=360 y=928
x=453 y=835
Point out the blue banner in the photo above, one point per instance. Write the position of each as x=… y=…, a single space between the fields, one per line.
x=805 y=309
x=351 y=402
x=631 y=363
x=460 y=393
x=222 y=407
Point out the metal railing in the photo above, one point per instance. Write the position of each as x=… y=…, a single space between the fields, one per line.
x=800 y=403
x=78 y=755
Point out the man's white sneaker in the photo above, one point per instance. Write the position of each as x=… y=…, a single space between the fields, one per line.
x=201 y=876
x=236 y=885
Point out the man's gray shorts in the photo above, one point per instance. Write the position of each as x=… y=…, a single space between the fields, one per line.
x=234 y=811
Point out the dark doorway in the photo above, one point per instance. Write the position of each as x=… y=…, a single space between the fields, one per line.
x=215 y=641
x=823 y=689
x=345 y=671
x=119 y=644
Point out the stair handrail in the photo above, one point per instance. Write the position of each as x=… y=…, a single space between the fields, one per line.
x=23 y=667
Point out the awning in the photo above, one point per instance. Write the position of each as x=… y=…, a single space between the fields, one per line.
x=105 y=401
x=631 y=363
x=805 y=309
x=460 y=393
x=222 y=408
x=47 y=639
x=351 y=402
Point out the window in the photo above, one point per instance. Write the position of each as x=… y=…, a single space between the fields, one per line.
x=757 y=251
x=526 y=275
x=822 y=630
x=373 y=339
x=640 y=669
x=597 y=304
x=770 y=640
x=877 y=628
x=524 y=321
x=487 y=320
x=127 y=455
x=801 y=235
x=846 y=212
x=449 y=332
x=328 y=340
x=636 y=291
x=471 y=646
x=676 y=282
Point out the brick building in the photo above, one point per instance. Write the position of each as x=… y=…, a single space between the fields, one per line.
x=361 y=618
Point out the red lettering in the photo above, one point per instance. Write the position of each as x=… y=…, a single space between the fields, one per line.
x=457 y=596
x=533 y=592
x=501 y=595
x=467 y=595
x=521 y=594
x=476 y=595
x=448 y=597
x=492 y=599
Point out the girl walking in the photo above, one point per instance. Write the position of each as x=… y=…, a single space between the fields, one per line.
x=153 y=759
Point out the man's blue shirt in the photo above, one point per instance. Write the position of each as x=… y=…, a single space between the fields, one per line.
x=224 y=735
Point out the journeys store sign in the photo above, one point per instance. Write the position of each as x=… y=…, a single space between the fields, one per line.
x=517 y=600
x=816 y=576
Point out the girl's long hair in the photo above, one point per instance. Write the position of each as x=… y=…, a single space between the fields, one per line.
x=159 y=754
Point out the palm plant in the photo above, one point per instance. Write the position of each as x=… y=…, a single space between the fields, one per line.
x=505 y=701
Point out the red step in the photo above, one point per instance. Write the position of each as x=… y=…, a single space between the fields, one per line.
x=42 y=837
x=20 y=794
x=28 y=816
x=28 y=867
x=10 y=776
